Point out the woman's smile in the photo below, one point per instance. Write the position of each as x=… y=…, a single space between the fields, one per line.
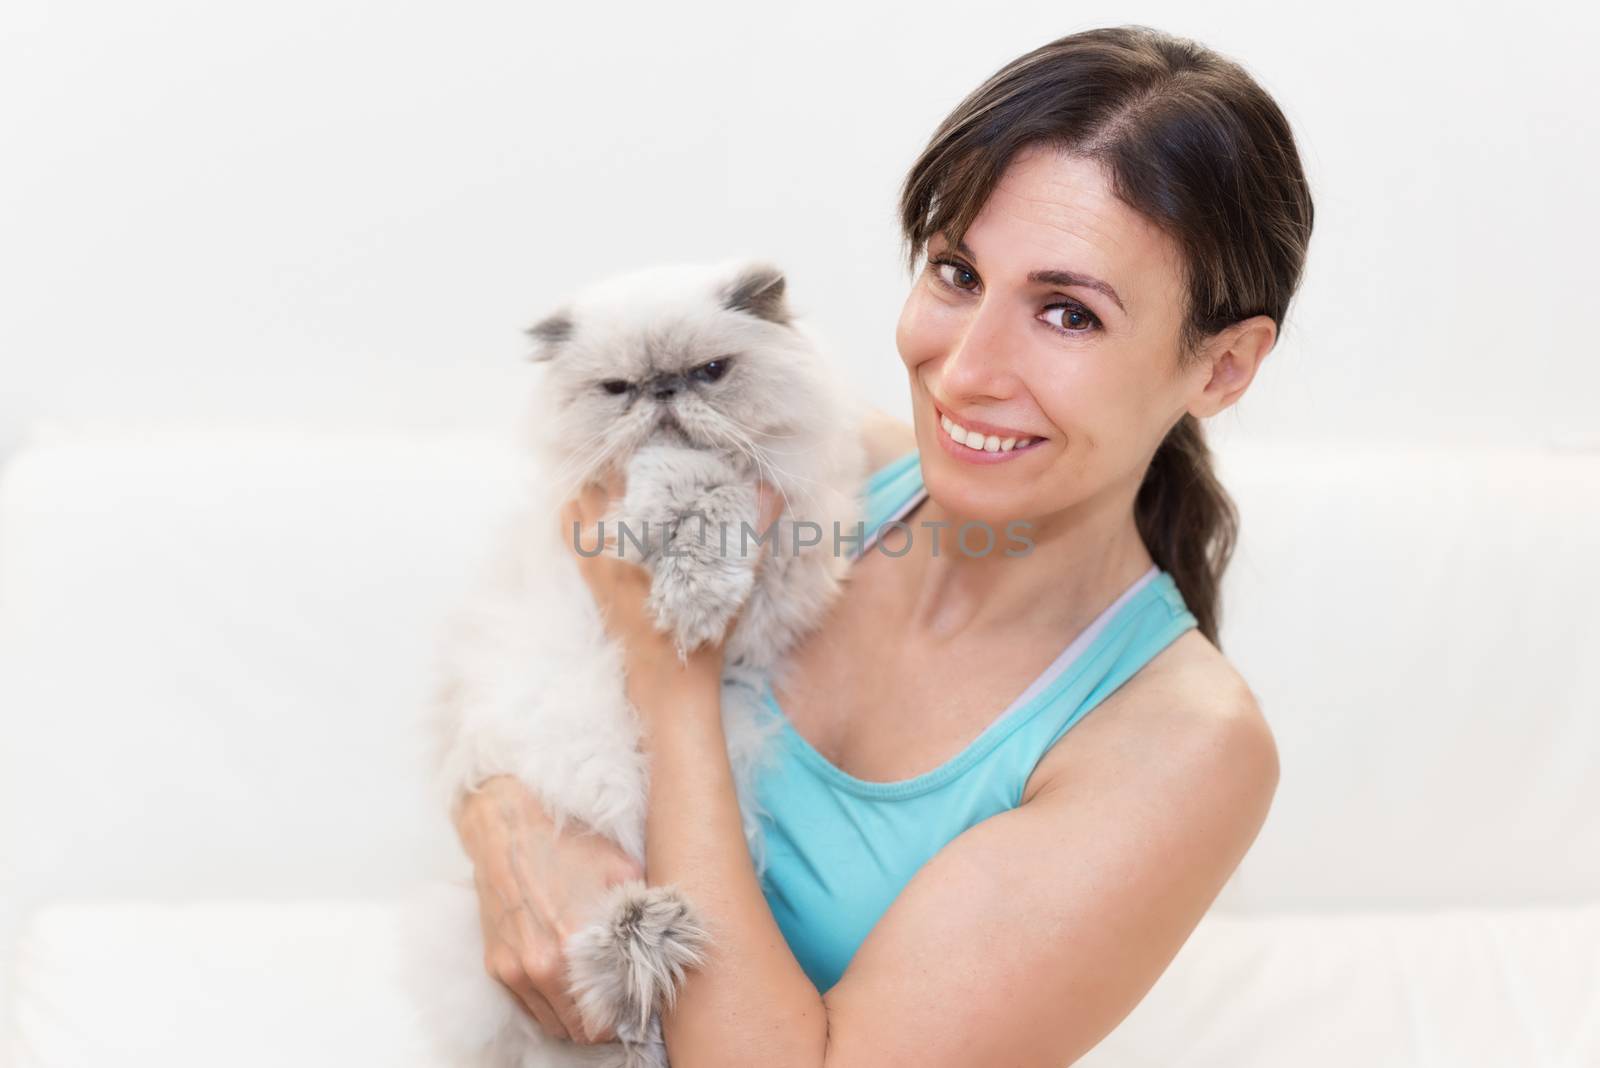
x=980 y=443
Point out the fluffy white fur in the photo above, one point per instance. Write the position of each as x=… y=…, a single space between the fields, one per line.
x=530 y=685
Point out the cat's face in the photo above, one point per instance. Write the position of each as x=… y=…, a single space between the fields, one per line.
x=699 y=355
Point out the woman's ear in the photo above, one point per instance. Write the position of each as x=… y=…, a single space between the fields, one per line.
x=1234 y=356
x=550 y=334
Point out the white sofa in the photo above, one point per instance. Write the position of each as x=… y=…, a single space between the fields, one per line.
x=214 y=648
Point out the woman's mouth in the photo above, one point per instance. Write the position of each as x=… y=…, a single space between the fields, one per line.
x=981 y=444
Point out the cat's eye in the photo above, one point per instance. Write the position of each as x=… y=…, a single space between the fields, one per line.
x=615 y=385
x=712 y=369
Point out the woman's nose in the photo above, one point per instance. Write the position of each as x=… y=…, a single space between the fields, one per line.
x=981 y=359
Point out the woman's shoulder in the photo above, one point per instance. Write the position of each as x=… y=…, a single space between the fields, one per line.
x=885 y=438
x=1188 y=700
x=1192 y=665
x=1190 y=686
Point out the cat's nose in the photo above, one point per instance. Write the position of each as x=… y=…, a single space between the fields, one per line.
x=664 y=386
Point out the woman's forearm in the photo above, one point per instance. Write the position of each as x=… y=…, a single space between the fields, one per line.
x=751 y=1003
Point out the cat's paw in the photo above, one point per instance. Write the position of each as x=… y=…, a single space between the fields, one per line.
x=629 y=964
x=695 y=601
x=665 y=500
x=707 y=572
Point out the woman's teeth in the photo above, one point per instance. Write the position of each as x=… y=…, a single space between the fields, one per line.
x=974 y=440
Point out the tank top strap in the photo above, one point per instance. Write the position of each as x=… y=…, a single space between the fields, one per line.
x=1141 y=623
x=891 y=491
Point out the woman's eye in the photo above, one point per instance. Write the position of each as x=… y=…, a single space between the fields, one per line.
x=956 y=270
x=1075 y=318
x=614 y=385
x=712 y=370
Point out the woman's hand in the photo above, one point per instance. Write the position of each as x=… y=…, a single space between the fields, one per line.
x=534 y=887
x=621 y=587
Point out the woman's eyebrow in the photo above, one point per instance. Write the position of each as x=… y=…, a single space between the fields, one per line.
x=1061 y=278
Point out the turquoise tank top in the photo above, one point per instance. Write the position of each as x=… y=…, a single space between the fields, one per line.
x=839 y=849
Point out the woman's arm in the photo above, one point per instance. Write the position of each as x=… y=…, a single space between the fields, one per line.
x=751 y=1003
x=1027 y=939
x=1022 y=942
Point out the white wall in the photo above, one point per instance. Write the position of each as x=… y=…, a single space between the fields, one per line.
x=344 y=212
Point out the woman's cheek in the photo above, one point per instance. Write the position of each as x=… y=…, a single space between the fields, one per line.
x=905 y=334
x=920 y=329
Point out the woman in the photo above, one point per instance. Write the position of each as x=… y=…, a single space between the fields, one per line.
x=1114 y=225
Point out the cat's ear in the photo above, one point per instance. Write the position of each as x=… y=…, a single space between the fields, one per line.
x=758 y=289
x=549 y=334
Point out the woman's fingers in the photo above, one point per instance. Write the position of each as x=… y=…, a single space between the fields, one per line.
x=538 y=980
x=567 y=1010
x=595 y=497
x=768 y=502
x=769 y=506
x=545 y=986
x=548 y=1020
x=581 y=531
x=581 y=517
x=503 y=963
x=532 y=885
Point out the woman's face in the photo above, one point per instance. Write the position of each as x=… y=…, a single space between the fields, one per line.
x=1082 y=357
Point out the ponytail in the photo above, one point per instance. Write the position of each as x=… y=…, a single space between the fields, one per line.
x=1187 y=520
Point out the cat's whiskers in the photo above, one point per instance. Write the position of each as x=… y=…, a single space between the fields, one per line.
x=766 y=457
x=575 y=469
x=764 y=466
x=582 y=464
x=752 y=430
x=748 y=449
x=570 y=478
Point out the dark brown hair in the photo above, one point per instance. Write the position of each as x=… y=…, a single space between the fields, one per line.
x=1190 y=141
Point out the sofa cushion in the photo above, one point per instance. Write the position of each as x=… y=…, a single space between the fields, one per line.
x=126 y=984
x=1450 y=988
x=315 y=983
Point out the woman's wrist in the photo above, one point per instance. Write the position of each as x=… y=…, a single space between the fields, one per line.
x=669 y=693
x=489 y=801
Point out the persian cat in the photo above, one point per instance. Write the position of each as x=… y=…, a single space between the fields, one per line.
x=696 y=380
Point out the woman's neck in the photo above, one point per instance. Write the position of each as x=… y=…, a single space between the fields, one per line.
x=1081 y=559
